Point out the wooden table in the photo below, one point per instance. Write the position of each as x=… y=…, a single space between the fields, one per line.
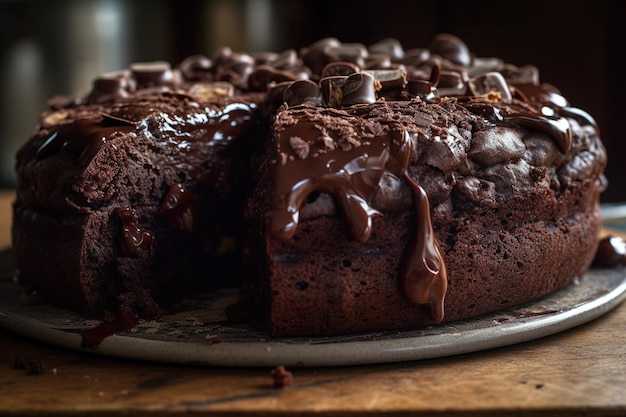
x=580 y=372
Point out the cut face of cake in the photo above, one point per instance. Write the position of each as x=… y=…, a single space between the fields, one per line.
x=121 y=199
x=344 y=188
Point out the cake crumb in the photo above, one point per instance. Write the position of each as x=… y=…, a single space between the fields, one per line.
x=32 y=366
x=281 y=377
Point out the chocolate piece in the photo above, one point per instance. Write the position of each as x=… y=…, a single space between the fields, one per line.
x=221 y=55
x=285 y=60
x=110 y=87
x=451 y=83
x=234 y=68
x=348 y=52
x=335 y=69
x=391 y=83
x=611 y=252
x=281 y=377
x=421 y=88
x=32 y=366
x=264 y=75
x=527 y=74
x=360 y=88
x=332 y=90
x=303 y=92
x=153 y=74
x=196 y=68
x=488 y=83
x=377 y=62
x=388 y=46
x=209 y=91
x=415 y=57
x=536 y=94
x=451 y=48
x=314 y=56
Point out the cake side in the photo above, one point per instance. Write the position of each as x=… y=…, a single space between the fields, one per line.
x=354 y=287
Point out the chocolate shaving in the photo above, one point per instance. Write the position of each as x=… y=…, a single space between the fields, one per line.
x=299 y=146
x=112 y=120
x=327 y=141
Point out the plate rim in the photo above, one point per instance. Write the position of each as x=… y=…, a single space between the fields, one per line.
x=310 y=352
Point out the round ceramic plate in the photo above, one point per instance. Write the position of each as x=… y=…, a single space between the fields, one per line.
x=199 y=334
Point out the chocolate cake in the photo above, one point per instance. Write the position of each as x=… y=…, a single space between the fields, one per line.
x=343 y=188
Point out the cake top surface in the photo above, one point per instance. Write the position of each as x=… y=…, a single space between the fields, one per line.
x=457 y=105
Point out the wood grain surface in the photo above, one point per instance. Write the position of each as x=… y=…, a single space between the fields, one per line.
x=580 y=372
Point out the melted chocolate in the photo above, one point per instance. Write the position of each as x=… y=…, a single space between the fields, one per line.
x=92 y=338
x=424 y=278
x=557 y=128
x=351 y=177
x=179 y=209
x=132 y=236
x=85 y=137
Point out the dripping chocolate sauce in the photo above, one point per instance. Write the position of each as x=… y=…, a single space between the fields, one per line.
x=352 y=177
x=92 y=338
x=179 y=209
x=83 y=137
x=132 y=236
x=556 y=127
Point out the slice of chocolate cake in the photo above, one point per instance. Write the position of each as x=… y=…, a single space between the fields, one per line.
x=134 y=194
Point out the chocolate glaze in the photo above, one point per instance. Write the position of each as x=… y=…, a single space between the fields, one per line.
x=84 y=137
x=557 y=128
x=351 y=177
x=179 y=209
x=351 y=173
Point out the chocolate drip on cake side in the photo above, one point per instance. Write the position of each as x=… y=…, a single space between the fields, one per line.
x=310 y=160
x=133 y=237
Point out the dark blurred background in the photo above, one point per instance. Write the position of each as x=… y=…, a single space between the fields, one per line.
x=57 y=47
